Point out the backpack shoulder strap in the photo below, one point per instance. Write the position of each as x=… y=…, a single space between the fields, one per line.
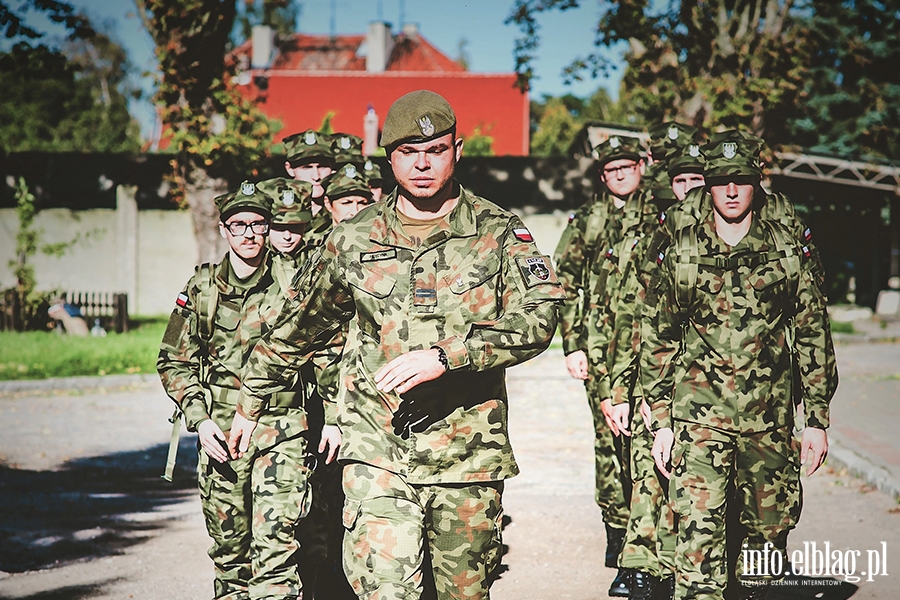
x=207 y=299
x=785 y=250
x=686 y=253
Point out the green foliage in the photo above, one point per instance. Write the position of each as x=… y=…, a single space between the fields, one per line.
x=69 y=100
x=326 y=127
x=556 y=121
x=32 y=303
x=816 y=73
x=215 y=130
x=280 y=15
x=842 y=327
x=480 y=143
x=42 y=354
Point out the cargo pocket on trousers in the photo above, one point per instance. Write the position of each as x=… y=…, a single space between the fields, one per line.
x=494 y=555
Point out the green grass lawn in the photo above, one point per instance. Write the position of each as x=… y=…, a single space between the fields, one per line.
x=39 y=354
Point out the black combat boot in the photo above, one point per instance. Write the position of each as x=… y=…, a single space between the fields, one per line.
x=643 y=586
x=621 y=585
x=666 y=589
x=615 y=539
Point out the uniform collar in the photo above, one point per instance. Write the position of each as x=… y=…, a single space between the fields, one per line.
x=388 y=231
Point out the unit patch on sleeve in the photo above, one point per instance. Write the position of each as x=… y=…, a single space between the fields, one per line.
x=379 y=255
x=536 y=270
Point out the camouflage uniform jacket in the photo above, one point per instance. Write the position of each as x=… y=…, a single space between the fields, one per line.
x=201 y=371
x=318 y=229
x=633 y=315
x=637 y=218
x=725 y=361
x=479 y=289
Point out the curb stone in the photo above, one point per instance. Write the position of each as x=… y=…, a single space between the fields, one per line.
x=76 y=383
x=862 y=466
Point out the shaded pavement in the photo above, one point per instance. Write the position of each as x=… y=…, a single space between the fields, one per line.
x=83 y=513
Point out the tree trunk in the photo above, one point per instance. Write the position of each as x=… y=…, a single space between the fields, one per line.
x=201 y=193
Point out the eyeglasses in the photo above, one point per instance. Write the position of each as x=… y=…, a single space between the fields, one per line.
x=624 y=169
x=239 y=228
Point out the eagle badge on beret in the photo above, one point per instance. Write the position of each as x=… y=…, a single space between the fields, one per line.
x=369 y=166
x=614 y=142
x=287 y=197
x=350 y=171
x=729 y=150
x=426 y=126
x=345 y=143
x=247 y=188
x=694 y=150
x=673 y=132
x=309 y=138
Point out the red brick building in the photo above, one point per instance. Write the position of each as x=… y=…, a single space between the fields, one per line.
x=346 y=75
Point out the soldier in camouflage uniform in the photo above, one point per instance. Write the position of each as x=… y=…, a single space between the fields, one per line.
x=581 y=259
x=735 y=302
x=347 y=150
x=310 y=158
x=433 y=325
x=254 y=503
x=649 y=541
x=347 y=192
x=376 y=181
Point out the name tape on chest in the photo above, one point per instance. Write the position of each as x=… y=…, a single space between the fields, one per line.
x=378 y=255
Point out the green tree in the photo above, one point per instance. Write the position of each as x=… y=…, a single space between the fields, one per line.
x=480 y=143
x=555 y=130
x=218 y=136
x=71 y=99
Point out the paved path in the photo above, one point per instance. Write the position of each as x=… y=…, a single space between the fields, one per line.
x=83 y=513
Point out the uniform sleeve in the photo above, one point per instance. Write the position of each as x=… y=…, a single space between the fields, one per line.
x=661 y=338
x=624 y=346
x=569 y=258
x=814 y=348
x=599 y=323
x=310 y=319
x=327 y=364
x=529 y=312
x=180 y=360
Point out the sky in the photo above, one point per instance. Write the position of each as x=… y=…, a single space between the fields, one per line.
x=564 y=36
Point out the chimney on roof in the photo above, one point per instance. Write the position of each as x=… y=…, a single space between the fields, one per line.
x=410 y=29
x=379 y=43
x=262 y=44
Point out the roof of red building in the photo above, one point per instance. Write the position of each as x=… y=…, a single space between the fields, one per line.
x=342 y=53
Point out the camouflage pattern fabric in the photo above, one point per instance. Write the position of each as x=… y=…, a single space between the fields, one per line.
x=765 y=469
x=390 y=524
x=318 y=229
x=203 y=376
x=478 y=289
x=726 y=359
x=650 y=531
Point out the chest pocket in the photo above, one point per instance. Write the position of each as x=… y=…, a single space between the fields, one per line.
x=228 y=319
x=470 y=287
x=372 y=285
x=770 y=285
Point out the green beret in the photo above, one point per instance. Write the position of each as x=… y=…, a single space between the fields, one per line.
x=347 y=181
x=687 y=160
x=665 y=138
x=372 y=171
x=308 y=146
x=248 y=197
x=292 y=199
x=732 y=154
x=615 y=148
x=347 y=148
x=417 y=117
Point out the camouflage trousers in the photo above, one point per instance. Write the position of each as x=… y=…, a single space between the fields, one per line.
x=391 y=524
x=650 y=536
x=609 y=492
x=764 y=470
x=252 y=507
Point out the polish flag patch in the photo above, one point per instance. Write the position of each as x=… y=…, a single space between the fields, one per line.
x=523 y=235
x=181 y=300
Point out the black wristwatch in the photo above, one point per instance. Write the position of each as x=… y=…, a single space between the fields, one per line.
x=442 y=356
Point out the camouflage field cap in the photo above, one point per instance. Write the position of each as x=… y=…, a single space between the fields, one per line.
x=248 y=197
x=615 y=148
x=689 y=159
x=347 y=181
x=417 y=117
x=732 y=154
x=373 y=172
x=347 y=148
x=307 y=146
x=292 y=200
x=668 y=137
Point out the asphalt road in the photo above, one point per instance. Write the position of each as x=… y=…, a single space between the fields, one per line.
x=83 y=513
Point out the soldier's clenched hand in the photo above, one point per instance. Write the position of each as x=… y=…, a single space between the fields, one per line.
x=213 y=440
x=577 y=364
x=239 y=436
x=409 y=370
x=814 y=445
x=662 y=449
